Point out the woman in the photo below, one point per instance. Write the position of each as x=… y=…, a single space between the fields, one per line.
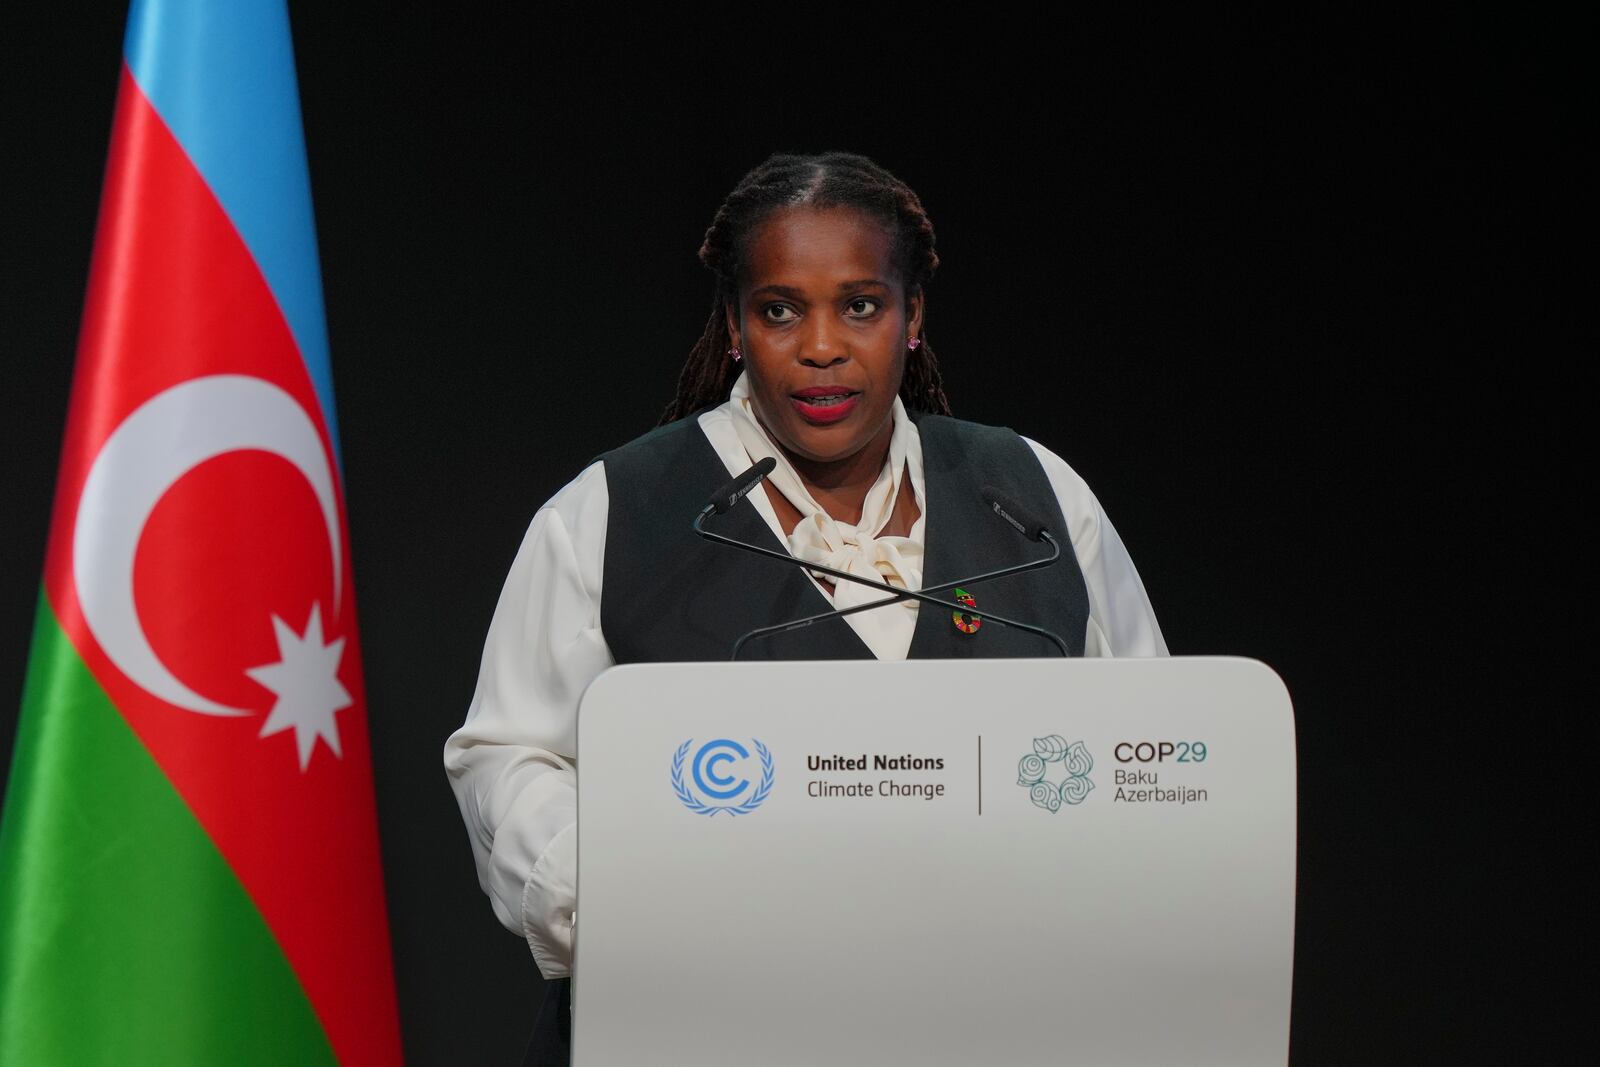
x=814 y=355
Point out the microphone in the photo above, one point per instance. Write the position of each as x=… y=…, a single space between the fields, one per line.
x=739 y=488
x=1003 y=505
x=1026 y=522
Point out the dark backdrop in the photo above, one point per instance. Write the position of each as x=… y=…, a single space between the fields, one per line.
x=1279 y=293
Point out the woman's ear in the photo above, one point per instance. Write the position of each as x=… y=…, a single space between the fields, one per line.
x=733 y=326
x=914 y=305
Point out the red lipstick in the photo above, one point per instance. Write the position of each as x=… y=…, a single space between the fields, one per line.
x=823 y=404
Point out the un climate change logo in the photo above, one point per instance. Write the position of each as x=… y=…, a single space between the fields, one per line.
x=1073 y=758
x=727 y=792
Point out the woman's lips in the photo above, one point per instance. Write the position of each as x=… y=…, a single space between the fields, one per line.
x=824 y=404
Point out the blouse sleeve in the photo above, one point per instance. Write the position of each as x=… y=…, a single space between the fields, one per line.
x=1121 y=620
x=513 y=762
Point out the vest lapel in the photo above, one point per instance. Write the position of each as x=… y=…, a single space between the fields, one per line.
x=935 y=564
x=963 y=537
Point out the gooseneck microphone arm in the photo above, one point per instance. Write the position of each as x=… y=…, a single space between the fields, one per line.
x=901 y=594
x=734 y=491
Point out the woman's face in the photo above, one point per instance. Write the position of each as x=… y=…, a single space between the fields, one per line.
x=823 y=322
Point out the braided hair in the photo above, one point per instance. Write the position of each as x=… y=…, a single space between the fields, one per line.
x=832 y=179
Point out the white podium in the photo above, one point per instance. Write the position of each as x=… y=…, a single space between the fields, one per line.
x=935 y=862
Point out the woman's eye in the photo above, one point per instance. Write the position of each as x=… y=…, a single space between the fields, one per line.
x=863 y=306
x=778 y=313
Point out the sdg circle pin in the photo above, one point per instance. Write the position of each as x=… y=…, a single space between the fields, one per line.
x=967 y=624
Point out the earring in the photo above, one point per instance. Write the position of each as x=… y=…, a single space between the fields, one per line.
x=735 y=353
x=913 y=342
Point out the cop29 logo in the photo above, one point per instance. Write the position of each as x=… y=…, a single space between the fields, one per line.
x=730 y=789
x=1034 y=772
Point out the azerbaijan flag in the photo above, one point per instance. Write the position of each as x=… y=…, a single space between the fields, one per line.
x=189 y=866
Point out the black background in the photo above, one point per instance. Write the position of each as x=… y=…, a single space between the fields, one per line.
x=1285 y=295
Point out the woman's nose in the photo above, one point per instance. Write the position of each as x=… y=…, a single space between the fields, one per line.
x=824 y=342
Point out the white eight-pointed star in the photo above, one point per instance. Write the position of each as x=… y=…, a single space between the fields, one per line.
x=306 y=680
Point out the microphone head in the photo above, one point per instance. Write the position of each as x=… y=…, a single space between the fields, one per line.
x=737 y=489
x=1015 y=514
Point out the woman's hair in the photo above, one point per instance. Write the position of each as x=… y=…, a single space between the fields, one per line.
x=832 y=179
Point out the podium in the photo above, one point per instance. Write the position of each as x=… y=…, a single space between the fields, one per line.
x=935 y=862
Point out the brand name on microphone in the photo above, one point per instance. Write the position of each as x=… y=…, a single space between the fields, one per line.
x=1000 y=511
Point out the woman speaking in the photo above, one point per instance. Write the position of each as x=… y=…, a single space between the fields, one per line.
x=814 y=356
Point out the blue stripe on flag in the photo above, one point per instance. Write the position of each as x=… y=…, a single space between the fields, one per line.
x=222 y=77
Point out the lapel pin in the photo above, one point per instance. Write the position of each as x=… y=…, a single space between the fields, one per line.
x=967 y=624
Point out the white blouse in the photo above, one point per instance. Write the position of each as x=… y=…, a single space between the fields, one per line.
x=513 y=762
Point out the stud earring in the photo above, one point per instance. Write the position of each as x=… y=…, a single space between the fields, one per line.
x=913 y=342
x=735 y=353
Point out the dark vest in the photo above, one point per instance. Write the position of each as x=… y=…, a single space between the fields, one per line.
x=670 y=595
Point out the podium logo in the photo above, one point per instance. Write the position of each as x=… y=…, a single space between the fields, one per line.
x=721 y=771
x=1041 y=772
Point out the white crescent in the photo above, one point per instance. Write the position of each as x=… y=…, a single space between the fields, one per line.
x=161 y=441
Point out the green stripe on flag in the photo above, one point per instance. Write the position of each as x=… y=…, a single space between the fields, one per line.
x=125 y=937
